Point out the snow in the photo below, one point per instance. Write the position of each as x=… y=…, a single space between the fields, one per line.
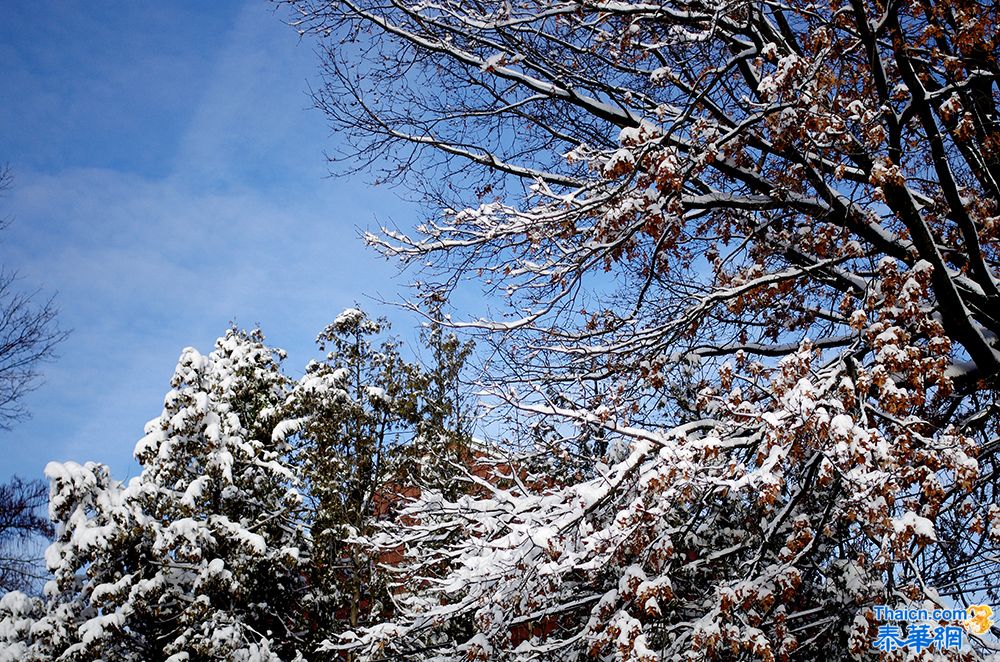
x=348 y=316
x=914 y=523
x=842 y=427
x=491 y=62
x=622 y=157
x=479 y=647
x=290 y=426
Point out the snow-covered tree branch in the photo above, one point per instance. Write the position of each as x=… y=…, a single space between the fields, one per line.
x=748 y=247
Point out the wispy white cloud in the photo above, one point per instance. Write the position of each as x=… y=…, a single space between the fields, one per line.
x=243 y=227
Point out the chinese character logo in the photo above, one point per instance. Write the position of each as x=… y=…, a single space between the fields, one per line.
x=980 y=620
x=920 y=637
x=889 y=638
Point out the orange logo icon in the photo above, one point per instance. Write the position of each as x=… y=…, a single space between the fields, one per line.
x=980 y=619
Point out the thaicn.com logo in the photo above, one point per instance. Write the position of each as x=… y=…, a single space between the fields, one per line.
x=920 y=632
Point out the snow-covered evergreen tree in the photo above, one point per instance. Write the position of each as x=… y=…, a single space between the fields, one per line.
x=372 y=430
x=441 y=449
x=197 y=558
x=352 y=412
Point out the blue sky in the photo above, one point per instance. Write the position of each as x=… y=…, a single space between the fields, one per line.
x=169 y=176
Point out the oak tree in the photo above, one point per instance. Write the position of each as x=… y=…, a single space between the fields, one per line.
x=756 y=244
